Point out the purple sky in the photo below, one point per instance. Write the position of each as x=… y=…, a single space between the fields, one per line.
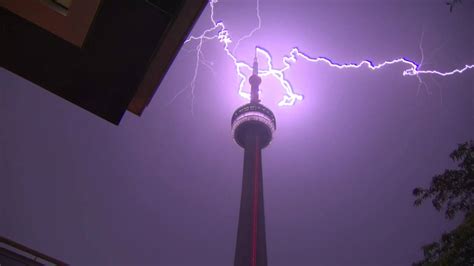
x=164 y=189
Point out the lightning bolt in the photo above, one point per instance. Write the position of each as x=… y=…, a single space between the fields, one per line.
x=218 y=31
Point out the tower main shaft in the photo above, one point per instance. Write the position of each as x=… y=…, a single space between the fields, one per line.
x=252 y=126
x=251 y=249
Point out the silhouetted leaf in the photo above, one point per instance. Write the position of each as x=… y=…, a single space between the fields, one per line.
x=453 y=191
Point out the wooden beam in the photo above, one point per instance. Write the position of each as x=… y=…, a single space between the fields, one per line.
x=72 y=27
x=28 y=250
x=169 y=47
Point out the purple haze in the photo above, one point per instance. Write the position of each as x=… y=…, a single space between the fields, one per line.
x=164 y=189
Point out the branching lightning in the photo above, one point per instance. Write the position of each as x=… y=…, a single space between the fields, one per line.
x=219 y=32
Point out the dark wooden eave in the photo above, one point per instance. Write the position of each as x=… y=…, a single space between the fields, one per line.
x=167 y=51
x=126 y=53
x=21 y=259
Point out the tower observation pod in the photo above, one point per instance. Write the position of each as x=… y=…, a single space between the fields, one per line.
x=252 y=126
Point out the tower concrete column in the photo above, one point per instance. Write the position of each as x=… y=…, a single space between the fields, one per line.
x=253 y=126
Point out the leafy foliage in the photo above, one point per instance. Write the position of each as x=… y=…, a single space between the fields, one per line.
x=456 y=247
x=453 y=189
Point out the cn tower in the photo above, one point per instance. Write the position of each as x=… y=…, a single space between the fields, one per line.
x=253 y=126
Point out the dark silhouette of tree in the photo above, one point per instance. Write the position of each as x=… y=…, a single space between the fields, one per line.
x=452 y=191
x=452 y=3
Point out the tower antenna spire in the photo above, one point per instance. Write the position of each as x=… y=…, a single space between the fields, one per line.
x=255 y=63
x=254 y=81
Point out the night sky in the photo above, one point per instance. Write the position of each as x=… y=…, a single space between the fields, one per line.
x=164 y=188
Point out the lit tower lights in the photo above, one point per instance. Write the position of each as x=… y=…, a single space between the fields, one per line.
x=252 y=128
